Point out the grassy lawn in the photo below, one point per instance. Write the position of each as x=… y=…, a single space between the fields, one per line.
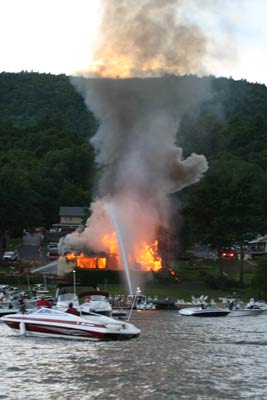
x=197 y=278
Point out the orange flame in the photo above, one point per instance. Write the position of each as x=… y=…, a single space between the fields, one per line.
x=86 y=262
x=146 y=257
x=110 y=243
x=149 y=258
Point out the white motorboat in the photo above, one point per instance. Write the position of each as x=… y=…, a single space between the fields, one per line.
x=140 y=302
x=45 y=322
x=6 y=309
x=95 y=301
x=9 y=308
x=259 y=304
x=204 y=311
x=13 y=302
x=237 y=308
x=63 y=300
x=245 y=312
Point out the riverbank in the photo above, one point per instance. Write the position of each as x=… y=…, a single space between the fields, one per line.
x=188 y=278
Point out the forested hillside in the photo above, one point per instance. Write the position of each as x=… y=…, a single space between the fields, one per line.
x=45 y=156
x=230 y=203
x=28 y=99
x=47 y=161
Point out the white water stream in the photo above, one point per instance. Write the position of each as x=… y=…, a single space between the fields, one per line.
x=121 y=246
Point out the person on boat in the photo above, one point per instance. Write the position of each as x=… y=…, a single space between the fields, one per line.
x=43 y=302
x=231 y=305
x=22 y=304
x=72 y=310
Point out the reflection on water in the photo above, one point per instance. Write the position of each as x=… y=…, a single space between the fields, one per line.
x=174 y=358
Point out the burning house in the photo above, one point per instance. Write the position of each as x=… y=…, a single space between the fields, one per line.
x=149 y=259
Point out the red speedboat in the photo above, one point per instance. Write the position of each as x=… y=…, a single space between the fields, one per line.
x=45 y=322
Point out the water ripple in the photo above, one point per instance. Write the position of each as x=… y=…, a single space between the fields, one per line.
x=174 y=358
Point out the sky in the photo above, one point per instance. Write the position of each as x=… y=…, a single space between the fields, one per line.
x=56 y=36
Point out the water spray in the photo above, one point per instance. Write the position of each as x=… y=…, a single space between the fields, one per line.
x=138 y=291
x=115 y=224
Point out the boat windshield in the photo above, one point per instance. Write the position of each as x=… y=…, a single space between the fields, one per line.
x=96 y=297
x=45 y=310
x=67 y=297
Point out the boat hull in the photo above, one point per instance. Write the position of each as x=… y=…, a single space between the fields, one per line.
x=245 y=313
x=72 y=327
x=4 y=312
x=32 y=329
x=203 y=313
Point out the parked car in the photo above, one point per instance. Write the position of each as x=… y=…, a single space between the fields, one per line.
x=53 y=255
x=52 y=246
x=52 y=251
x=10 y=256
x=228 y=253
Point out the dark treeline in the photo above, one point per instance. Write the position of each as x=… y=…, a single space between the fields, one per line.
x=47 y=161
x=229 y=204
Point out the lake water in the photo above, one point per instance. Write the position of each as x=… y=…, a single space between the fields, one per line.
x=174 y=358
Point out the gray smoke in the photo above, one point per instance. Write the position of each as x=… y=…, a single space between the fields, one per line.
x=136 y=150
x=135 y=144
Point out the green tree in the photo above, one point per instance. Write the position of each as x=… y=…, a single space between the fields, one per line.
x=204 y=134
x=40 y=171
x=228 y=203
x=18 y=201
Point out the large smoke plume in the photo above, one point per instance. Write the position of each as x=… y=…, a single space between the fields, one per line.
x=142 y=42
x=148 y=38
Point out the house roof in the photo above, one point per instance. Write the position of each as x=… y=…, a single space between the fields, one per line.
x=259 y=240
x=72 y=211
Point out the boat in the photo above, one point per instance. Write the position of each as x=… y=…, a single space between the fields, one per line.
x=95 y=301
x=12 y=301
x=244 y=312
x=64 y=299
x=259 y=304
x=7 y=308
x=238 y=309
x=204 y=311
x=140 y=302
x=47 y=322
x=119 y=313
